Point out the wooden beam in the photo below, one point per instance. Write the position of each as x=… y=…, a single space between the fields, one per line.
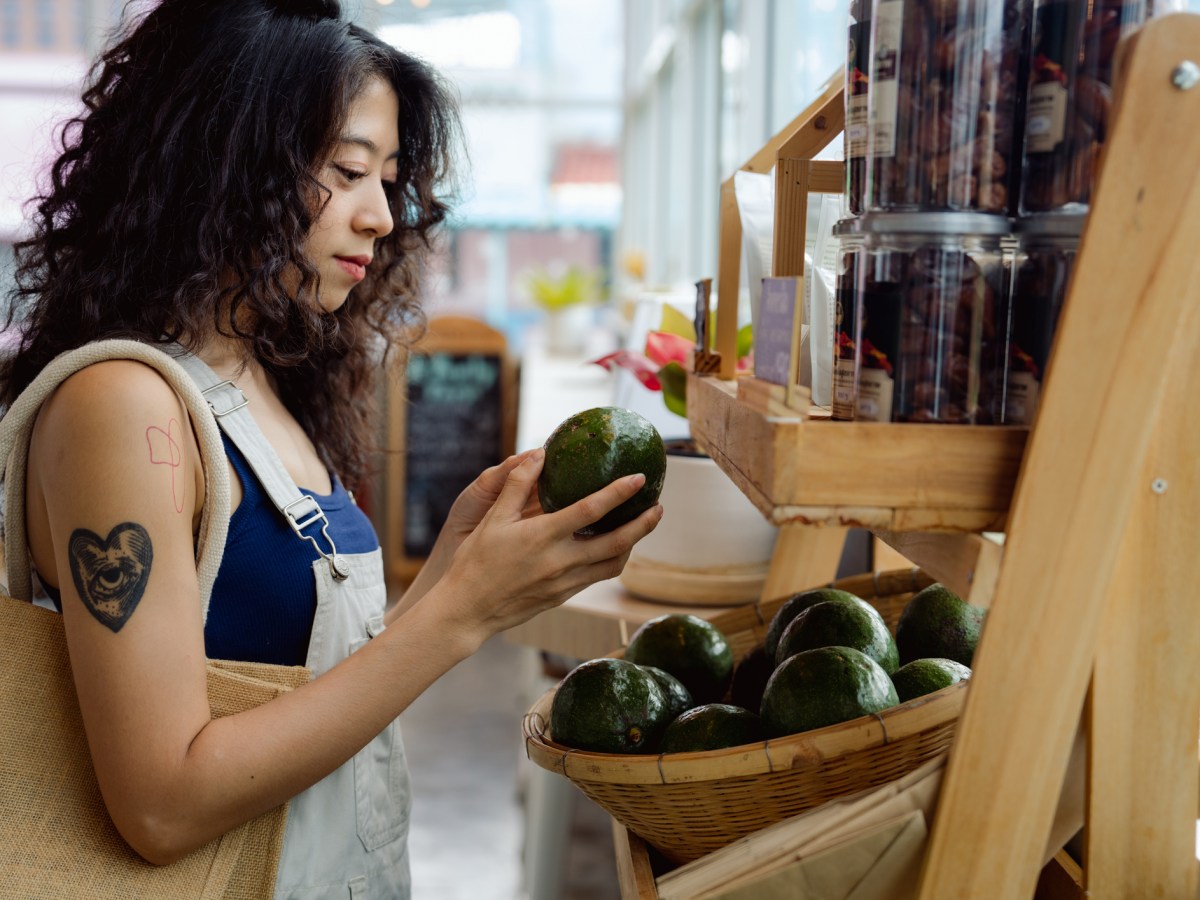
x=1146 y=684
x=1135 y=290
x=968 y=564
x=805 y=557
x=729 y=277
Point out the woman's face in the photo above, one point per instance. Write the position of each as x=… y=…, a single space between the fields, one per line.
x=359 y=175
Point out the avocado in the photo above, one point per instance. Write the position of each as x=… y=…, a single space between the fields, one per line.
x=688 y=647
x=594 y=448
x=750 y=677
x=610 y=706
x=840 y=623
x=679 y=698
x=825 y=686
x=924 y=676
x=938 y=623
x=713 y=726
x=793 y=606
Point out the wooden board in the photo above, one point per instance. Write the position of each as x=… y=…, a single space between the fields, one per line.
x=887 y=476
x=451 y=414
x=968 y=564
x=634 y=875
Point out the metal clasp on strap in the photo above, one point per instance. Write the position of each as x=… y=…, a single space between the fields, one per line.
x=236 y=405
x=306 y=511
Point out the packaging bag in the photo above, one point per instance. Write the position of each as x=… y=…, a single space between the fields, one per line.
x=57 y=837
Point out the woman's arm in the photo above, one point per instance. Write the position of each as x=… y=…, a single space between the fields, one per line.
x=172 y=777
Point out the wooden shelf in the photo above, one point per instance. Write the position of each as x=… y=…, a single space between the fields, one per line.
x=882 y=476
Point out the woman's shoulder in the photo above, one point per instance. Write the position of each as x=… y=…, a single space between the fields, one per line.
x=108 y=399
x=125 y=380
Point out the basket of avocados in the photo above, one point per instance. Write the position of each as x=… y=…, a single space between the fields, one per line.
x=687 y=801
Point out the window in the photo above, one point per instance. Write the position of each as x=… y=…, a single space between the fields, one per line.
x=44 y=24
x=10 y=23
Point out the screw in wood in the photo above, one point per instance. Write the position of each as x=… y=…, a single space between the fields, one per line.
x=1186 y=75
x=1159 y=485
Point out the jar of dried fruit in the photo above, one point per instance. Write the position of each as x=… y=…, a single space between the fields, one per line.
x=931 y=319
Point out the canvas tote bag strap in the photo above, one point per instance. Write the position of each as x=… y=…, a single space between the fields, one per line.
x=17 y=427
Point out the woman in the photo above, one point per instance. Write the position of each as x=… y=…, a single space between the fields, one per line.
x=253 y=186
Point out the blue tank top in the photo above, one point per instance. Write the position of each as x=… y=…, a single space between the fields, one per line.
x=264 y=597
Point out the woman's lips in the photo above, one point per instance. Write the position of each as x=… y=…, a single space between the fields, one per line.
x=354 y=266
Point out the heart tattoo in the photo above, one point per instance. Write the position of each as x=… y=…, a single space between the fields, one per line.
x=110 y=575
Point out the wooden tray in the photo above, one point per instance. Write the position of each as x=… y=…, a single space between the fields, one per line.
x=882 y=476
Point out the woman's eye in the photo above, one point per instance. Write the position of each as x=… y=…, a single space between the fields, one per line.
x=350 y=174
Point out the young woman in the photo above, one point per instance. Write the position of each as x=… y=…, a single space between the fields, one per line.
x=253 y=187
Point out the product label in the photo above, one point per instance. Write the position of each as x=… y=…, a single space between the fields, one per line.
x=1046 y=117
x=874 y=395
x=1050 y=74
x=884 y=79
x=1022 y=400
x=858 y=66
x=843 y=389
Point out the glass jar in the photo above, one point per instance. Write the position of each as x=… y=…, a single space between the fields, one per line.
x=945 y=78
x=858 y=62
x=845 y=360
x=930 y=318
x=1070 y=98
x=1044 y=257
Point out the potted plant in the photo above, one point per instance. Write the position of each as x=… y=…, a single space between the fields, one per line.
x=713 y=546
x=566 y=295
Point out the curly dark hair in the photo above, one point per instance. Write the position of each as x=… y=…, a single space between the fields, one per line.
x=180 y=205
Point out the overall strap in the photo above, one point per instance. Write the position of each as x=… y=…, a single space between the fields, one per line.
x=230 y=408
x=17 y=427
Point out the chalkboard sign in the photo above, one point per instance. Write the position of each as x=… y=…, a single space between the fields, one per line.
x=453 y=418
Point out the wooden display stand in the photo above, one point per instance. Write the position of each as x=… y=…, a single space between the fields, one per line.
x=802 y=556
x=1091 y=613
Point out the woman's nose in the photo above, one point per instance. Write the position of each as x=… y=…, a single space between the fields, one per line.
x=375 y=215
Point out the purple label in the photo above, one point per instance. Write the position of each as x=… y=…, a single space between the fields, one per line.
x=773 y=340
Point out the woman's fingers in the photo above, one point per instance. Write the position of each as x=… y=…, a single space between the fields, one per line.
x=518 y=486
x=618 y=542
x=594 y=507
x=604 y=556
x=492 y=480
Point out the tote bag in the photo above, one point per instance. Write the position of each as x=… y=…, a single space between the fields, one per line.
x=56 y=837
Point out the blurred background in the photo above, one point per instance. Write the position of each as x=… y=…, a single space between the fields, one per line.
x=597 y=130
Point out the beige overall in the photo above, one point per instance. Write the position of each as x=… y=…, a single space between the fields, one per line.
x=347 y=835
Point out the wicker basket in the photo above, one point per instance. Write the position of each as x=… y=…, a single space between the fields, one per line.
x=689 y=804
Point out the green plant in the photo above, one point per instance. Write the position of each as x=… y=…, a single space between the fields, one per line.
x=660 y=367
x=572 y=286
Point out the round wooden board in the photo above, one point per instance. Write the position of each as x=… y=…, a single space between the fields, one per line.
x=722 y=586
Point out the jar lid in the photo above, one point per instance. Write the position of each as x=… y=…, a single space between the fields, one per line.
x=847 y=227
x=936 y=223
x=1067 y=225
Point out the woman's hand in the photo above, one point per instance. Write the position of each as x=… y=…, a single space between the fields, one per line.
x=478 y=497
x=464 y=517
x=512 y=566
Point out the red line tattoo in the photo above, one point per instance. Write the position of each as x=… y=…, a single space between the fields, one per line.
x=166 y=451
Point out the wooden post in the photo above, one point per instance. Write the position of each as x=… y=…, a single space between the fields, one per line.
x=804 y=557
x=1146 y=684
x=1127 y=324
x=729 y=277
